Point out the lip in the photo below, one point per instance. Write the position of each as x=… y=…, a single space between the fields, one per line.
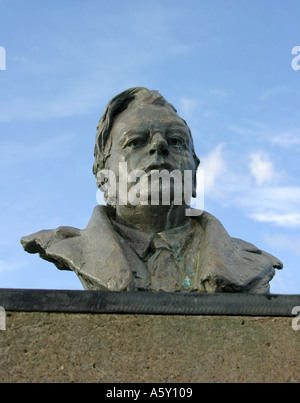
x=160 y=167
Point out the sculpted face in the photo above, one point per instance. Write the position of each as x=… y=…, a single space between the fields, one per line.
x=151 y=137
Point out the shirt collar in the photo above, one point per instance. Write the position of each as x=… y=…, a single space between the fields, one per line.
x=172 y=239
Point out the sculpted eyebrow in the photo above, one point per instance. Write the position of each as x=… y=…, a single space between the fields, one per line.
x=128 y=135
x=179 y=130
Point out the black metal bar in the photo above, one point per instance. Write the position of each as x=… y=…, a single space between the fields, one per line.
x=143 y=302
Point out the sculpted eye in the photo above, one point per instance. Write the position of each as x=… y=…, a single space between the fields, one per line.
x=176 y=141
x=136 y=142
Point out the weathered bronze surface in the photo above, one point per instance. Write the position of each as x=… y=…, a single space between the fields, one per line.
x=144 y=246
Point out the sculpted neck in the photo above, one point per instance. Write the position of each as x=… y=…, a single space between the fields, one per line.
x=151 y=219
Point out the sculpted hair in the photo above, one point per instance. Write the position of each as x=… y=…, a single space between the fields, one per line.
x=116 y=106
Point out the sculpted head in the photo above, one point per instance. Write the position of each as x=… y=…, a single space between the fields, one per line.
x=141 y=128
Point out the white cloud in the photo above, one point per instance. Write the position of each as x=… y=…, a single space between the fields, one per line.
x=265 y=200
x=279 y=205
x=261 y=167
x=284 y=220
x=287 y=139
x=281 y=197
x=214 y=167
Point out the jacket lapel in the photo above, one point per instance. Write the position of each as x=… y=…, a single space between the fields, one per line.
x=229 y=264
x=97 y=256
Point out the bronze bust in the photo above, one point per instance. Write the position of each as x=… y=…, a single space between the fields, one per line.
x=133 y=243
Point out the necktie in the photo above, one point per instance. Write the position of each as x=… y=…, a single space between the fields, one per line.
x=164 y=272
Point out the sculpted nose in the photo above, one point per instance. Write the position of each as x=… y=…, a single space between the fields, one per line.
x=159 y=146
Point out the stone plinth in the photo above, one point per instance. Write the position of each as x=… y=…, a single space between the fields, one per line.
x=140 y=337
x=83 y=347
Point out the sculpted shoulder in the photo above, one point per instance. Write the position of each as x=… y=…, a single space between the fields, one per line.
x=234 y=264
x=94 y=253
x=44 y=241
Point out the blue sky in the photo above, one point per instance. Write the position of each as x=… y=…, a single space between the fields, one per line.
x=226 y=67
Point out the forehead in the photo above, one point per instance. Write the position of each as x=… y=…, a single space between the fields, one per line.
x=148 y=118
